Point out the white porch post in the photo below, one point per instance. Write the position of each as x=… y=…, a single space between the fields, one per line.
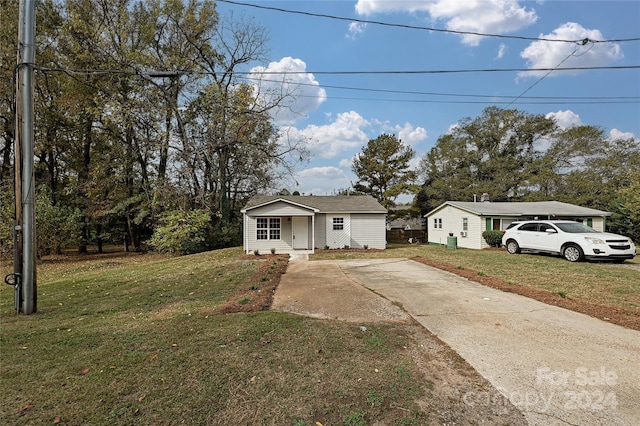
x=245 y=237
x=313 y=233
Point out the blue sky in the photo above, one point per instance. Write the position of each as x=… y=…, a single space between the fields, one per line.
x=336 y=114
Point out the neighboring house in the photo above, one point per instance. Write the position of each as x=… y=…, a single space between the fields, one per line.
x=468 y=220
x=298 y=222
x=405 y=229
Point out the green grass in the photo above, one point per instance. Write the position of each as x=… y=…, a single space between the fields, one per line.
x=598 y=282
x=132 y=339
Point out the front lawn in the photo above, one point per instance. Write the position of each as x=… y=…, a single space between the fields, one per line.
x=124 y=339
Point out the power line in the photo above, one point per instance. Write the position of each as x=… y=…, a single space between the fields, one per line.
x=415 y=27
x=461 y=71
x=543 y=77
x=491 y=99
x=557 y=101
x=444 y=94
x=388 y=72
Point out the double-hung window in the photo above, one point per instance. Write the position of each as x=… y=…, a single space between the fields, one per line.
x=274 y=228
x=268 y=228
x=437 y=223
x=338 y=223
x=465 y=224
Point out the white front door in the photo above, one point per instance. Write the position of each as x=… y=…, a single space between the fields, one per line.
x=300 y=228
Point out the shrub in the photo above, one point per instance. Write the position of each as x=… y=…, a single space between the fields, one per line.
x=56 y=225
x=493 y=237
x=182 y=232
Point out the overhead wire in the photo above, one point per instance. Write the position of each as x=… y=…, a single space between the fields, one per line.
x=319 y=72
x=444 y=94
x=557 y=101
x=422 y=28
x=543 y=77
x=491 y=99
x=247 y=74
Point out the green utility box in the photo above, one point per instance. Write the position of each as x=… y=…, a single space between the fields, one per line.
x=452 y=243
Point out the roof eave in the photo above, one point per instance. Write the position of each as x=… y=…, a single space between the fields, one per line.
x=266 y=203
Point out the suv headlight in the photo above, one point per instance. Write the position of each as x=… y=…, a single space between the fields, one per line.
x=593 y=240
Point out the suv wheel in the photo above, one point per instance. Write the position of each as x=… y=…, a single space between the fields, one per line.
x=513 y=247
x=573 y=253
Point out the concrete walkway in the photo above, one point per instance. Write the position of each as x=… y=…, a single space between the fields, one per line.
x=557 y=366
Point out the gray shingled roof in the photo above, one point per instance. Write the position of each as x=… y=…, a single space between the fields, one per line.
x=539 y=208
x=325 y=203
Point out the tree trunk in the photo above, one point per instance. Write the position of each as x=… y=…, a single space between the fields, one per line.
x=5 y=167
x=223 y=154
x=132 y=228
x=83 y=181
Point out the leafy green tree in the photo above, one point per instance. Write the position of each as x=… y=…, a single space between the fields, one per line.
x=626 y=210
x=8 y=50
x=7 y=213
x=583 y=166
x=183 y=232
x=383 y=169
x=515 y=156
x=56 y=224
x=493 y=153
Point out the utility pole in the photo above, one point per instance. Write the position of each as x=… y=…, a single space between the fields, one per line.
x=24 y=259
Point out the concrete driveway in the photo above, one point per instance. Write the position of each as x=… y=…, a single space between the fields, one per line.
x=557 y=366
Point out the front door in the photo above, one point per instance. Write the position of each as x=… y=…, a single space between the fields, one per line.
x=300 y=228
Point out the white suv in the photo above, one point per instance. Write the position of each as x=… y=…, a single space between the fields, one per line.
x=573 y=240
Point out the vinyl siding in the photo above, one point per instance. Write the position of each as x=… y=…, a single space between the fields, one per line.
x=321 y=231
x=368 y=229
x=280 y=209
x=598 y=224
x=474 y=235
x=364 y=222
x=283 y=245
x=338 y=238
x=452 y=223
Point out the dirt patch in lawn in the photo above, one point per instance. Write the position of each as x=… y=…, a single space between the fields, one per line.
x=257 y=294
x=623 y=317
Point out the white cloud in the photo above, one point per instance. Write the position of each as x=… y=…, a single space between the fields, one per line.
x=616 y=134
x=410 y=136
x=355 y=29
x=502 y=50
x=565 y=119
x=322 y=180
x=369 y=7
x=549 y=54
x=302 y=93
x=479 y=16
x=452 y=128
x=345 y=133
x=346 y=163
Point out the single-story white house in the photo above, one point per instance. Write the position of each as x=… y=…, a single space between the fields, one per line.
x=303 y=223
x=468 y=220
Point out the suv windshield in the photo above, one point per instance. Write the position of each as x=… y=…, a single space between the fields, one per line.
x=575 y=228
